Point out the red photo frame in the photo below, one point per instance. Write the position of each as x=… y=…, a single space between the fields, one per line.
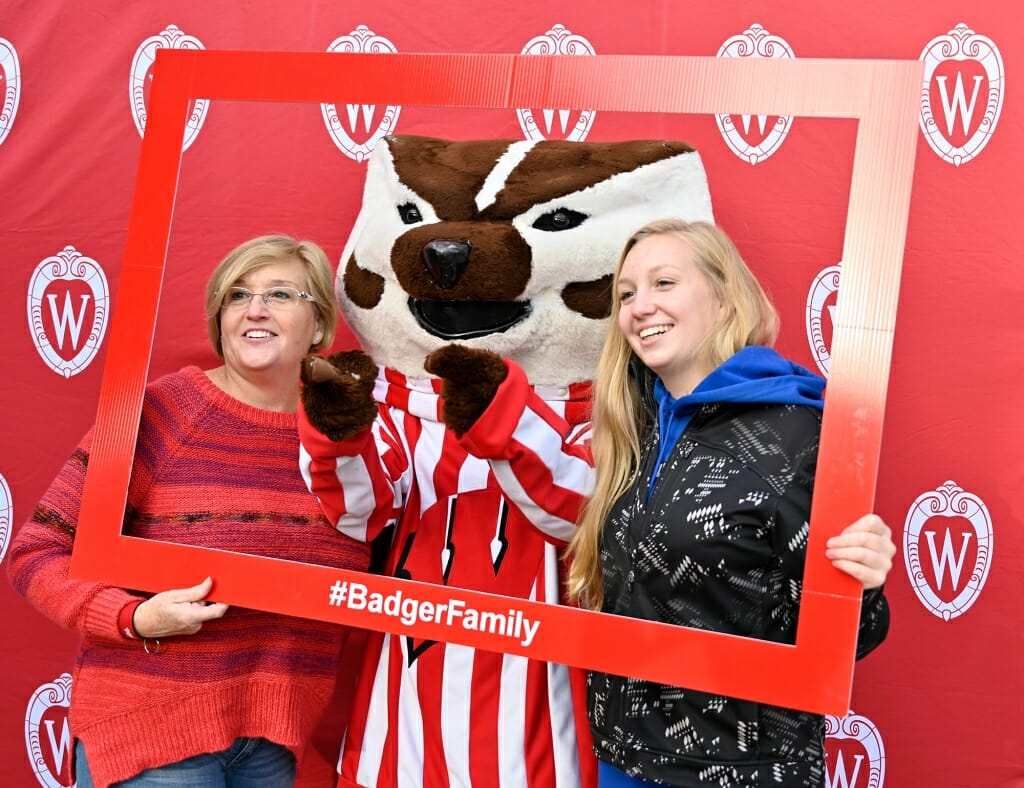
x=816 y=673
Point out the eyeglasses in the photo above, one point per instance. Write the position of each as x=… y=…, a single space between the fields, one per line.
x=282 y=297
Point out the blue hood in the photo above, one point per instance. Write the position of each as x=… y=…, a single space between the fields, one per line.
x=754 y=374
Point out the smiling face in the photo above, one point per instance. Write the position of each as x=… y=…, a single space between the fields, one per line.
x=667 y=310
x=258 y=339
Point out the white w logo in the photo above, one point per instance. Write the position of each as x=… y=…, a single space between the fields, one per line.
x=62 y=748
x=958 y=104
x=760 y=123
x=67 y=318
x=77 y=277
x=940 y=561
x=961 y=56
x=549 y=117
x=841 y=779
x=353 y=116
x=972 y=525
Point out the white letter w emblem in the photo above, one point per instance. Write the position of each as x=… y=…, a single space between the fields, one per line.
x=840 y=779
x=67 y=318
x=958 y=104
x=61 y=748
x=939 y=562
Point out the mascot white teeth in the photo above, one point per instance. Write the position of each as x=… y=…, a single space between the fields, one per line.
x=478 y=280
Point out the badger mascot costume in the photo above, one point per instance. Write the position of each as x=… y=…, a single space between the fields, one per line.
x=478 y=280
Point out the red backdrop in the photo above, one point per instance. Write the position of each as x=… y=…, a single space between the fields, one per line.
x=934 y=706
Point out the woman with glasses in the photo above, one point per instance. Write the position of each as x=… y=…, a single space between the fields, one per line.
x=175 y=689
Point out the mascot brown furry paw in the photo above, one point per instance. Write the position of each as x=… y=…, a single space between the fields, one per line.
x=478 y=276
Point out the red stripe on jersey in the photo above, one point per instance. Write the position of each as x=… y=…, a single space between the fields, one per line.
x=396 y=392
x=429 y=675
x=584 y=741
x=389 y=765
x=484 y=707
x=551 y=497
x=445 y=476
x=360 y=700
x=539 y=763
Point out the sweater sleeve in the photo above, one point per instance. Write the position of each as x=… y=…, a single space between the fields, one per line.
x=542 y=464
x=41 y=555
x=361 y=482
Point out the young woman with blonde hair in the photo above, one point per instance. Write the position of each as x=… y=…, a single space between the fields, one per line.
x=704 y=443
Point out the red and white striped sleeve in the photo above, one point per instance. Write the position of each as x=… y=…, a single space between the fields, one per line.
x=362 y=481
x=542 y=463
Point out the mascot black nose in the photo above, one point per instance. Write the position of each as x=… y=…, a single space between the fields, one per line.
x=446 y=260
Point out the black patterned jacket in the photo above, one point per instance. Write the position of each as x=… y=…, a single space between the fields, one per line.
x=719 y=546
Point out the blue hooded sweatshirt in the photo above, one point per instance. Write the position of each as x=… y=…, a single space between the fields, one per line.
x=754 y=374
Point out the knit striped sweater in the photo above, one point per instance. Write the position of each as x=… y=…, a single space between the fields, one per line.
x=208 y=471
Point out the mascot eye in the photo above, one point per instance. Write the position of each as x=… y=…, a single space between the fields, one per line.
x=561 y=219
x=410 y=213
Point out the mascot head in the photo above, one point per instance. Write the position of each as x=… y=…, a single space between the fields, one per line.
x=504 y=245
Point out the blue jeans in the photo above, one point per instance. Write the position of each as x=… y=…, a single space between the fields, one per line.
x=248 y=763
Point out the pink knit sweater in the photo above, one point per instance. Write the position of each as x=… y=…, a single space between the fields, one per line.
x=209 y=471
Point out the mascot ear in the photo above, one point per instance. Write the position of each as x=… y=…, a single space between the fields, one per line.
x=470 y=379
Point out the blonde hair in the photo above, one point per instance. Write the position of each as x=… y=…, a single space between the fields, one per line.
x=265 y=250
x=619 y=420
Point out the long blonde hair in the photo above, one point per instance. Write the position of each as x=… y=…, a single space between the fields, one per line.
x=619 y=420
